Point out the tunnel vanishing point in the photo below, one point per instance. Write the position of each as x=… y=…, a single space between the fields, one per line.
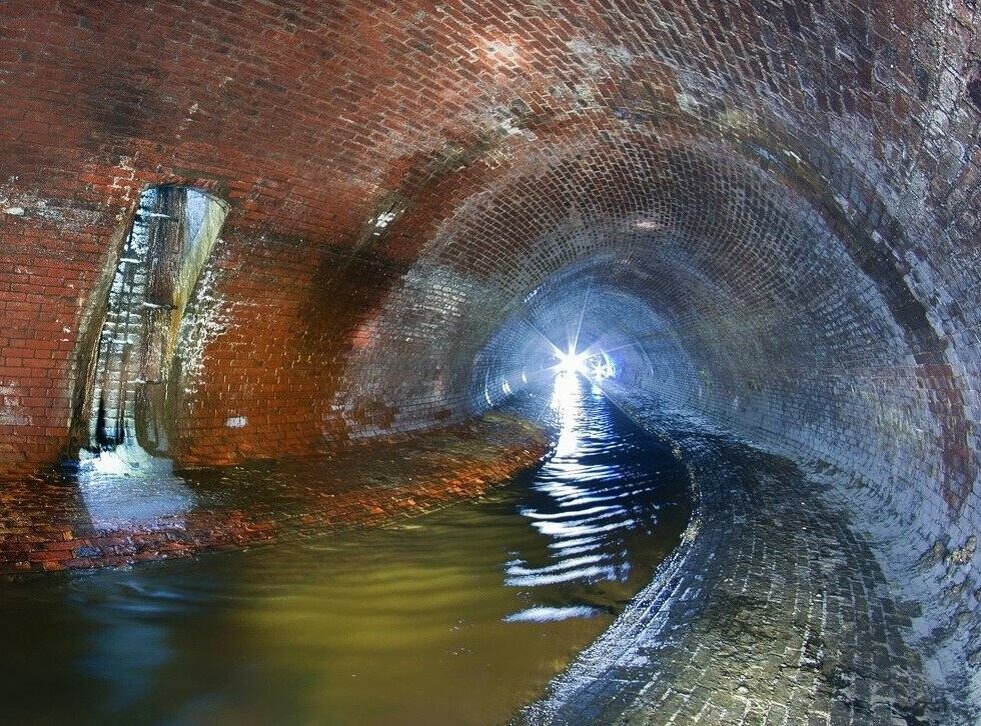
x=246 y=229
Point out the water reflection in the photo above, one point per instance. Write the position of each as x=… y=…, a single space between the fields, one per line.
x=586 y=500
x=125 y=487
x=461 y=616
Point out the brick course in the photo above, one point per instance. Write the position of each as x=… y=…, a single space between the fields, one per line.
x=774 y=204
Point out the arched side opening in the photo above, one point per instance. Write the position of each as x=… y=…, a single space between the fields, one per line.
x=131 y=386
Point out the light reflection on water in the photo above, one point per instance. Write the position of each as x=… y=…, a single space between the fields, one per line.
x=460 y=616
x=589 y=492
x=106 y=484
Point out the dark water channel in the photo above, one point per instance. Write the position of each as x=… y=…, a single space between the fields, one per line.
x=460 y=616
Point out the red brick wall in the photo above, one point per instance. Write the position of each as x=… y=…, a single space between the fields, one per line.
x=776 y=203
x=314 y=118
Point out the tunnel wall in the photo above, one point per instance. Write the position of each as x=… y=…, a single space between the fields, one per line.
x=412 y=113
x=761 y=321
x=790 y=189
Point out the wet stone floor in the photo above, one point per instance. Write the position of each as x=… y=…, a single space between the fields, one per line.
x=771 y=612
x=122 y=508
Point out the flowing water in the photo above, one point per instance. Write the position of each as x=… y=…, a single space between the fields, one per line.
x=459 y=616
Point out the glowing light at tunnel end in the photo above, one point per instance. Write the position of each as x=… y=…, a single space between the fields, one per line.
x=595 y=366
x=572 y=362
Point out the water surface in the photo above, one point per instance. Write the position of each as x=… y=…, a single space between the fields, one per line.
x=459 y=616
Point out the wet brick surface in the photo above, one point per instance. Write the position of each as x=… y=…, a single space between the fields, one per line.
x=45 y=525
x=772 y=612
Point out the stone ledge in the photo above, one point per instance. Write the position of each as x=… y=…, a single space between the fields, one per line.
x=772 y=611
x=45 y=524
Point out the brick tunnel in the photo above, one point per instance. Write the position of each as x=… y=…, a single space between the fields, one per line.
x=765 y=214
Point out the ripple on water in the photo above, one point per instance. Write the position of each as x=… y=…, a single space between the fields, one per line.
x=460 y=616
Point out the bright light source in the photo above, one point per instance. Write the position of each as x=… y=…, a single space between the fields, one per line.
x=589 y=364
x=571 y=362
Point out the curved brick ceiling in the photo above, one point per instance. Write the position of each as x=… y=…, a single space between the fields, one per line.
x=771 y=209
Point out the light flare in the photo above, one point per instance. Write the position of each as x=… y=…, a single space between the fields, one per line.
x=572 y=362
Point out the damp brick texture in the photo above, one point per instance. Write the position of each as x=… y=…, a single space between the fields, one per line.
x=769 y=212
x=49 y=525
x=774 y=613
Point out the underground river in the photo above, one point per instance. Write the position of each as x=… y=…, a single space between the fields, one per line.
x=462 y=615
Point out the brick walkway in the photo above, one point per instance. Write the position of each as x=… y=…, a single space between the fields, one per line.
x=47 y=524
x=771 y=612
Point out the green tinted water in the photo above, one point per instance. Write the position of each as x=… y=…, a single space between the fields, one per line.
x=460 y=616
